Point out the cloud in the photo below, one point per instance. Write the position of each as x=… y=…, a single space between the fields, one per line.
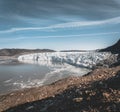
x=87 y=23
x=66 y=25
x=45 y=8
x=62 y=36
x=50 y=9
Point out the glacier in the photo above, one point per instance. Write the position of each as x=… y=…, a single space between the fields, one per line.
x=82 y=59
x=38 y=69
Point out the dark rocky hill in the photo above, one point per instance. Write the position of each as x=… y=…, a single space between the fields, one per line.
x=12 y=52
x=114 y=48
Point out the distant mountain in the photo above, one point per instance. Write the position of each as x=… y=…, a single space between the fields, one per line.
x=73 y=51
x=12 y=52
x=113 y=49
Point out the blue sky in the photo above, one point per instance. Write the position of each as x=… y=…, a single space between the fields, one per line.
x=59 y=24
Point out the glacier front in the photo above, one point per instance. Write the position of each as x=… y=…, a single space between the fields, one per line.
x=82 y=59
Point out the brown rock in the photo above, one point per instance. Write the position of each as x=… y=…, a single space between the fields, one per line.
x=77 y=100
x=106 y=95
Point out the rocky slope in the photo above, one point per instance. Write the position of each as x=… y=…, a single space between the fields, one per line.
x=98 y=91
x=115 y=49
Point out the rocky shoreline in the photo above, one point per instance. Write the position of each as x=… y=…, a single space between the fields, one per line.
x=73 y=93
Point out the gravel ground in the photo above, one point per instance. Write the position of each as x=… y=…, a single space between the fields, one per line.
x=98 y=91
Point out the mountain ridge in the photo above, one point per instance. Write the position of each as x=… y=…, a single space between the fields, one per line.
x=12 y=52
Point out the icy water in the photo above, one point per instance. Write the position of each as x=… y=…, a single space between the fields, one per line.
x=25 y=75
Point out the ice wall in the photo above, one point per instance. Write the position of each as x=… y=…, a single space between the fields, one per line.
x=83 y=59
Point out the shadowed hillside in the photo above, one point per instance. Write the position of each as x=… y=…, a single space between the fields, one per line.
x=114 y=48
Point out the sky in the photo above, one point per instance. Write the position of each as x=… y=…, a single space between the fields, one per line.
x=59 y=24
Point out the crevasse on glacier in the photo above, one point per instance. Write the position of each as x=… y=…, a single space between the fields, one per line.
x=84 y=59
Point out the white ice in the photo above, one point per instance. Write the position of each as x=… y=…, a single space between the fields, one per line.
x=70 y=60
x=83 y=59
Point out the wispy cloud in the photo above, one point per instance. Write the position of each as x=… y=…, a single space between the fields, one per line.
x=115 y=20
x=62 y=36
